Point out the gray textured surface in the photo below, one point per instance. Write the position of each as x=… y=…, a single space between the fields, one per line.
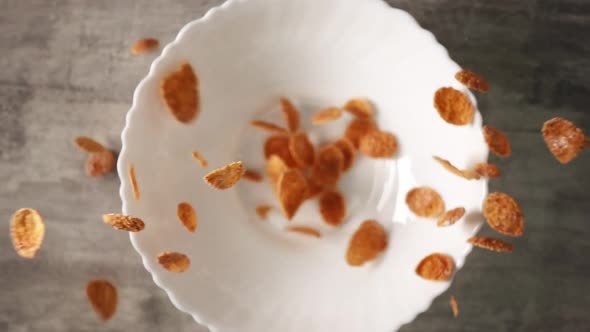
x=65 y=70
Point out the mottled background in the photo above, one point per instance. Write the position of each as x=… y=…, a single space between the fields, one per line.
x=65 y=70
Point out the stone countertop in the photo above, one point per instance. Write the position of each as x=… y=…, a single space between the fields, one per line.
x=66 y=70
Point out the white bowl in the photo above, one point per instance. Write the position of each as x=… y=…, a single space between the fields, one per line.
x=249 y=275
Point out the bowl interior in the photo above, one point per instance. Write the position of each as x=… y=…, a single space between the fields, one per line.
x=248 y=274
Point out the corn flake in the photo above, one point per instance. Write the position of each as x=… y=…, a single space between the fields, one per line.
x=467 y=174
x=564 y=139
x=187 y=216
x=262 y=211
x=304 y=230
x=302 y=150
x=503 y=214
x=487 y=170
x=451 y=217
x=102 y=296
x=144 y=45
x=472 y=80
x=497 y=141
x=269 y=127
x=26 y=232
x=279 y=145
x=378 y=144
x=328 y=166
x=454 y=306
x=453 y=106
x=348 y=152
x=225 y=177
x=123 y=222
x=292 y=191
x=100 y=163
x=180 y=92
x=425 y=202
x=491 y=244
x=291 y=115
x=367 y=242
x=174 y=261
x=199 y=157
x=437 y=267
x=332 y=207
x=133 y=181
x=360 y=107
x=252 y=175
x=326 y=115
x=89 y=145
x=358 y=128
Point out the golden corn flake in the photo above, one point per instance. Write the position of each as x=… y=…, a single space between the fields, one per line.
x=497 y=141
x=102 y=296
x=472 y=80
x=133 y=181
x=378 y=144
x=304 y=230
x=269 y=127
x=225 y=177
x=174 y=261
x=199 y=157
x=467 y=174
x=291 y=115
x=367 y=242
x=491 y=244
x=100 y=163
x=144 y=45
x=279 y=145
x=187 y=216
x=454 y=306
x=564 y=139
x=425 y=202
x=89 y=145
x=328 y=166
x=451 y=217
x=487 y=170
x=453 y=106
x=252 y=175
x=292 y=191
x=26 y=232
x=275 y=166
x=302 y=150
x=262 y=211
x=437 y=267
x=326 y=115
x=358 y=128
x=123 y=222
x=332 y=207
x=348 y=152
x=180 y=92
x=360 y=107
x=503 y=214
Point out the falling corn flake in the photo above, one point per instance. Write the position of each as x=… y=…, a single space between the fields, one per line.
x=358 y=128
x=302 y=150
x=466 y=174
x=89 y=145
x=102 y=296
x=491 y=244
x=437 y=267
x=453 y=106
x=367 y=242
x=328 y=166
x=292 y=191
x=488 y=170
x=180 y=92
x=279 y=145
x=269 y=127
x=199 y=157
x=187 y=216
x=291 y=115
x=174 y=261
x=225 y=177
x=252 y=175
x=425 y=202
x=454 y=306
x=326 y=115
x=332 y=207
x=450 y=217
x=275 y=166
x=144 y=45
x=262 y=211
x=497 y=141
x=100 y=163
x=133 y=181
x=313 y=188
x=123 y=222
x=348 y=152
x=304 y=230
x=360 y=107
x=503 y=214
x=472 y=80
x=378 y=144
x=26 y=232
x=564 y=140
